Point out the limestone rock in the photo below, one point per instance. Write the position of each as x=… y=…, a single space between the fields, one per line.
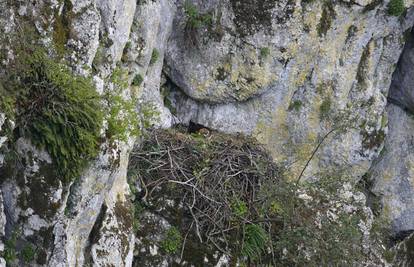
x=289 y=73
x=401 y=91
x=393 y=174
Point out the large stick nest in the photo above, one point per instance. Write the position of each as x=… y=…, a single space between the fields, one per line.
x=218 y=177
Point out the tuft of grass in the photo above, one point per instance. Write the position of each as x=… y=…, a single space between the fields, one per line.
x=254 y=242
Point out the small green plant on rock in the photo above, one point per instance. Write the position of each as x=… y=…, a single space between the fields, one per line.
x=172 y=242
x=295 y=105
x=28 y=253
x=194 y=21
x=154 y=56
x=124 y=118
x=254 y=242
x=9 y=253
x=138 y=79
x=194 y=18
x=264 y=52
x=396 y=7
x=325 y=108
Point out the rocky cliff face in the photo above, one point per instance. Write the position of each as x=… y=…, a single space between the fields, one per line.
x=309 y=79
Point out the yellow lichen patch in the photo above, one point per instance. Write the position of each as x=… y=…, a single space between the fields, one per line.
x=301 y=154
x=302 y=70
x=312 y=18
x=274 y=133
x=387 y=175
x=235 y=78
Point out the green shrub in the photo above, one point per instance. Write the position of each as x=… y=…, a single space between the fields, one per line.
x=194 y=21
x=57 y=110
x=396 y=7
x=123 y=119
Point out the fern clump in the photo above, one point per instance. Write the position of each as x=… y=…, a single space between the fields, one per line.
x=57 y=110
x=254 y=242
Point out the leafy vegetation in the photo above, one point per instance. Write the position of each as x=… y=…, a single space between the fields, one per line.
x=396 y=7
x=10 y=254
x=194 y=18
x=194 y=21
x=295 y=105
x=172 y=242
x=325 y=108
x=56 y=110
x=124 y=118
x=254 y=242
x=138 y=79
x=264 y=52
x=28 y=253
x=154 y=56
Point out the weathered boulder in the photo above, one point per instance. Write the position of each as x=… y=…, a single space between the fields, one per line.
x=392 y=173
x=288 y=73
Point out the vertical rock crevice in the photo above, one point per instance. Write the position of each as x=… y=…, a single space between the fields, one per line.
x=392 y=173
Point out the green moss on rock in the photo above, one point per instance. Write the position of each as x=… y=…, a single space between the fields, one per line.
x=328 y=15
x=396 y=7
x=61 y=28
